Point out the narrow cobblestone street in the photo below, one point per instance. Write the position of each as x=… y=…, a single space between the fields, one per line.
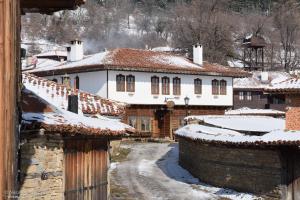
x=151 y=171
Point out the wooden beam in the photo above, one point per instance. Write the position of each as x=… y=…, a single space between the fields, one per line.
x=9 y=61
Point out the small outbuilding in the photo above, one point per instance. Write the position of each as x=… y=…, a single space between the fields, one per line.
x=63 y=155
x=234 y=152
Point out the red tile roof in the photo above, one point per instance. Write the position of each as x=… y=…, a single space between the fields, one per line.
x=140 y=60
x=58 y=95
x=37 y=113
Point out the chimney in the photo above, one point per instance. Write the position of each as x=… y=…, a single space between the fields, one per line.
x=73 y=103
x=264 y=76
x=75 y=51
x=198 y=54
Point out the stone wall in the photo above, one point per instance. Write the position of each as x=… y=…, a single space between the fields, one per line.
x=243 y=169
x=40 y=155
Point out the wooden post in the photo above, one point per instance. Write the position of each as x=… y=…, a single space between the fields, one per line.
x=9 y=77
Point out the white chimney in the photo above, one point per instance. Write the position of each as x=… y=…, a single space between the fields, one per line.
x=198 y=54
x=75 y=52
x=264 y=76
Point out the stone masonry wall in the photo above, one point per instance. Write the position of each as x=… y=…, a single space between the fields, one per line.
x=247 y=170
x=38 y=155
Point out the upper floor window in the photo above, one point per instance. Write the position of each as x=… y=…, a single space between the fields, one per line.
x=76 y=82
x=223 y=87
x=241 y=96
x=198 y=86
x=154 y=85
x=165 y=85
x=120 y=83
x=215 y=87
x=176 y=86
x=130 y=83
x=249 y=96
x=66 y=81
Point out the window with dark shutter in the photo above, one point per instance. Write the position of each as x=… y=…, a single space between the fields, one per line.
x=76 y=84
x=130 y=83
x=154 y=85
x=223 y=86
x=215 y=87
x=165 y=85
x=176 y=86
x=198 y=86
x=120 y=83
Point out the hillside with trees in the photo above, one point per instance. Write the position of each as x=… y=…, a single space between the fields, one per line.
x=220 y=25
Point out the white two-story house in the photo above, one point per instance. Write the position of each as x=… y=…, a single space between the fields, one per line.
x=159 y=88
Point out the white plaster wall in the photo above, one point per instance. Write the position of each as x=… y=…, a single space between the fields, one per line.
x=93 y=82
x=142 y=94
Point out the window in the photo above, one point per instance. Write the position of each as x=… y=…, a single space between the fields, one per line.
x=198 y=86
x=66 y=81
x=130 y=83
x=249 y=96
x=142 y=124
x=76 y=82
x=145 y=124
x=223 y=85
x=241 y=96
x=165 y=85
x=132 y=121
x=215 y=87
x=54 y=80
x=154 y=85
x=120 y=83
x=176 y=86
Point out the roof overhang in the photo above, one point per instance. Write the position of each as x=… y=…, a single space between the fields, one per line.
x=49 y=6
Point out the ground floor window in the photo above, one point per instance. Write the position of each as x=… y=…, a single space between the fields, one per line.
x=140 y=123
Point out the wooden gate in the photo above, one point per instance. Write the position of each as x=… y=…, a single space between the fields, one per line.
x=86 y=169
x=293 y=175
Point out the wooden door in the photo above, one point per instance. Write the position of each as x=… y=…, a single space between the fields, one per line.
x=293 y=175
x=86 y=169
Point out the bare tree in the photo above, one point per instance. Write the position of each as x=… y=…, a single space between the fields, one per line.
x=286 y=21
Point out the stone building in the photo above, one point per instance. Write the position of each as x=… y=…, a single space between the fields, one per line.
x=64 y=155
x=253 y=154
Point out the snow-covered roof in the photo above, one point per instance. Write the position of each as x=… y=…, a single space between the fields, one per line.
x=261 y=124
x=250 y=111
x=163 y=49
x=52 y=53
x=139 y=60
x=38 y=113
x=289 y=85
x=224 y=136
x=41 y=63
x=57 y=94
x=256 y=81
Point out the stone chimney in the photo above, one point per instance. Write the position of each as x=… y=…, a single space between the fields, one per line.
x=198 y=54
x=75 y=51
x=73 y=103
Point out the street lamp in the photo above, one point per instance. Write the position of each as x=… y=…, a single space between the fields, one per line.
x=186 y=102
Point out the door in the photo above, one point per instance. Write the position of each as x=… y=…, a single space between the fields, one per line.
x=86 y=169
x=163 y=123
x=293 y=175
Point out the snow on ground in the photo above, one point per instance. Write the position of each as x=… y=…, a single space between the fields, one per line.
x=242 y=123
x=152 y=172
